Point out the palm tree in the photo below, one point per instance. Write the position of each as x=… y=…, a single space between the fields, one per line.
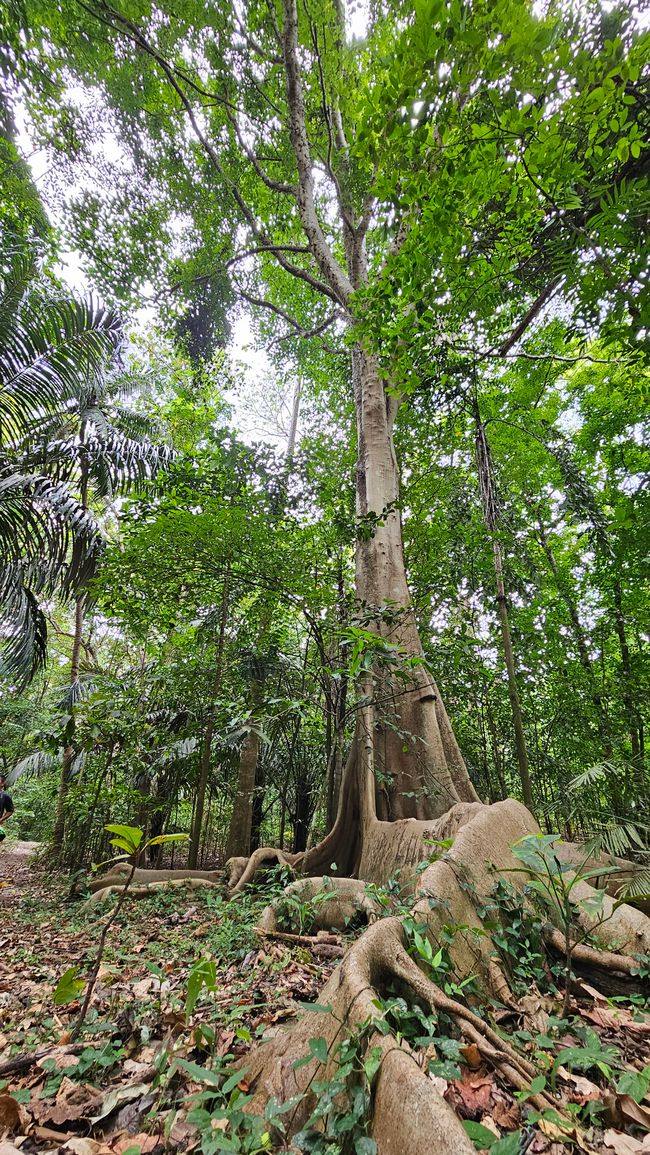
x=49 y=540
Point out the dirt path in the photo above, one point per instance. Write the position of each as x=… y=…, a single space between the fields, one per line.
x=16 y=877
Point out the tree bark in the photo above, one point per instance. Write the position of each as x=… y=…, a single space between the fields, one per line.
x=491 y=517
x=58 y=834
x=206 y=744
x=626 y=665
x=239 y=835
x=602 y=720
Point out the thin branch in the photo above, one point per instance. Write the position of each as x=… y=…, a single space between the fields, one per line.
x=529 y=316
x=280 y=186
x=266 y=249
x=298 y=329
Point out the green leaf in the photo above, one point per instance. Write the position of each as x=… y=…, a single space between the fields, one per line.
x=508 y=1145
x=160 y=838
x=69 y=987
x=318 y=1048
x=200 y=1074
x=130 y=837
x=202 y=974
x=364 y=1145
x=481 y=1136
x=634 y=1083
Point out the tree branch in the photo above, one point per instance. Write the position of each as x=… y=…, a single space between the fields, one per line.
x=328 y=265
x=266 y=249
x=298 y=329
x=529 y=316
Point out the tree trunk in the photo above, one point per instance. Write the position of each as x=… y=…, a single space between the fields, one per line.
x=602 y=720
x=491 y=517
x=58 y=834
x=239 y=834
x=626 y=665
x=206 y=744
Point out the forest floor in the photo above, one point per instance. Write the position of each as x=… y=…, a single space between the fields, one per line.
x=186 y=985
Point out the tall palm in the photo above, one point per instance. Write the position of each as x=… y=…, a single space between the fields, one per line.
x=49 y=542
x=102 y=449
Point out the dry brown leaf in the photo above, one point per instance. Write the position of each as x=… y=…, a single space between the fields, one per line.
x=561 y=1134
x=614 y=1018
x=8 y=1149
x=472 y=1056
x=537 y=1009
x=584 y=1087
x=471 y=1096
x=146 y=1143
x=81 y=1146
x=73 y=1101
x=10 y=1115
x=439 y=1083
x=623 y=1109
x=624 y=1144
x=508 y=1116
x=488 y=1121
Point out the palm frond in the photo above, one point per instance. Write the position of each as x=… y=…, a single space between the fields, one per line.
x=43 y=354
x=32 y=765
x=48 y=544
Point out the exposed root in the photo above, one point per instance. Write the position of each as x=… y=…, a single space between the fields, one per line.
x=116 y=888
x=240 y=871
x=323 y=945
x=408 y=1113
x=119 y=871
x=603 y=960
x=330 y=903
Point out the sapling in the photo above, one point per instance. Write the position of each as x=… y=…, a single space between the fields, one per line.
x=128 y=839
x=554 y=882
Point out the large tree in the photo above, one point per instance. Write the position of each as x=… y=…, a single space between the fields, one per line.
x=423 y=192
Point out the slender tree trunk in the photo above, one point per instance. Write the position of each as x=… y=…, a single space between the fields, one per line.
x=602 y=720
x=208 y=733
x=58 y=834
x=626 y=665
x=239 y=836
x=491 y=517
x=419 y=771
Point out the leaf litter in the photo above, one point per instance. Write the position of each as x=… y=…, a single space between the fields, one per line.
x=120 y=1089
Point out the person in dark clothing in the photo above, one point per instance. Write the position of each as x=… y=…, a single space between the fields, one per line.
x=6 y=809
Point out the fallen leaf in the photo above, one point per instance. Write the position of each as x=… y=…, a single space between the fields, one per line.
x=123 y=1094
x=10 y=1115
x=624 y=1144
x=562 y=1133
x=146 y=1143
x=613 y=1018
x=508 y=1116
x=472 y=1056
x=623 y=1109
x=471 y=1096
x=73 y=1101
x=439 y=1083
x=81 y=1146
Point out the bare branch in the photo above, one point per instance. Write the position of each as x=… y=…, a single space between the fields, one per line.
x=298 y=329
x=529 y=316
x=266 y=249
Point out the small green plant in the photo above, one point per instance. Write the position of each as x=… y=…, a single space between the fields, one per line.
x=202 y=974
x=553 y=882
x=298 y=914
x=129 y=840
